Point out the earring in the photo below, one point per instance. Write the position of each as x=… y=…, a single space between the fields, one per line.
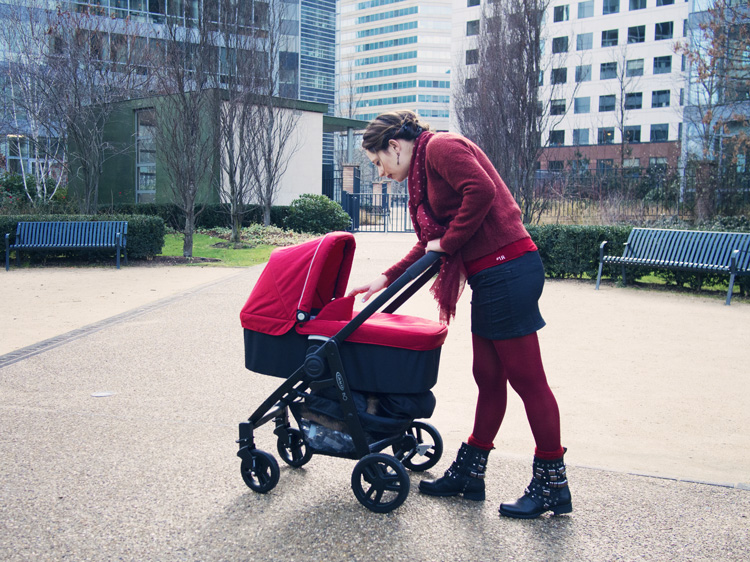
x=398 y=159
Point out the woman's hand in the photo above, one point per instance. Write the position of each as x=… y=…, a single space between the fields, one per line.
x=371 y=288
x=434 y=246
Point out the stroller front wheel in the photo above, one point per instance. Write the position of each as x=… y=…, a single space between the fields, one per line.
x=421 y=447
x=260 y=472
x=293 y=448
x=380 y=482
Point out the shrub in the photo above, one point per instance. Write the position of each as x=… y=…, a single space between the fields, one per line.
x=316 y=214
x=145 y=234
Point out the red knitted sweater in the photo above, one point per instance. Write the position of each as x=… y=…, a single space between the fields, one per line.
x=466 y=193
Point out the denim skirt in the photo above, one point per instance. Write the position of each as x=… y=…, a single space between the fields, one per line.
x=505 y=298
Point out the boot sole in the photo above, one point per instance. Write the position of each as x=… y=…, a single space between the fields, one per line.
x=474 y=496
x=557 y=510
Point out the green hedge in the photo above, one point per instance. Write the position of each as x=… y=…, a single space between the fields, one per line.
x=212 y=216
x=573 y=252
x=145 y=234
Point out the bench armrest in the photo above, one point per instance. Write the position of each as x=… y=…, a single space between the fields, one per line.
x=601 y=250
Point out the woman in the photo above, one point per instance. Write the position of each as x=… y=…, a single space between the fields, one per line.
x=461 y=207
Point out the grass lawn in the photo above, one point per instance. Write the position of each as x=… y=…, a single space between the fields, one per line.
x=205 y=246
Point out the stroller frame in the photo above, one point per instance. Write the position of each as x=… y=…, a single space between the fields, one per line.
x=379 y=481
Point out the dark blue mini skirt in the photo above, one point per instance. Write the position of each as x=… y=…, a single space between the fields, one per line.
x=505 y=298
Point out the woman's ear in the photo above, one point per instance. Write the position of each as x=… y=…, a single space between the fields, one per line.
x=394 y=144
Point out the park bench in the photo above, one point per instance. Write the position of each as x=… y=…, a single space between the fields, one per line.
x=685 y=250
x=45 y=235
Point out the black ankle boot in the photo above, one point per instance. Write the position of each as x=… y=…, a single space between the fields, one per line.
x=548 y=491
x=465 y=476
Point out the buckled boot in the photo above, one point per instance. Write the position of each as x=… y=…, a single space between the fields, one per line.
x=465 y=476
x=548 y=491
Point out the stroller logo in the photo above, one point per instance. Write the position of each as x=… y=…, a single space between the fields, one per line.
x=340 y=383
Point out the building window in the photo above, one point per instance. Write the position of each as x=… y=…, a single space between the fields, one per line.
x=663 y=30
x=609 y=38
x=557 y=107
x=608 y=70
x=682 y=96
x=561 y=13
x=637 y=34
x=664 y=2
x=583 y=73
x=611 y=7
x=660 y=133
x=660 y=98
x=559 y=75
x=584 y=41
x=581 y=105
x=631 y=163
x=586 y=9
x=472 y=3
x=634 y=100
x=663 y=65
x=605 y=166
x=559 y=45
x=632 y=133
x=556 y=138
x=472 y=28
x=634 y=68
x=556 y=165
x=653 y=162
x=607 y=103
x=580 y=136
x=637 y=4
x=145 y=155
x=472 y=56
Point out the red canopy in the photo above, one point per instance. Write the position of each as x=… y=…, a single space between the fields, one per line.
x=304 y=278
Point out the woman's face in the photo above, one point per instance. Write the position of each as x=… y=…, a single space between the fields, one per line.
x=392 y=163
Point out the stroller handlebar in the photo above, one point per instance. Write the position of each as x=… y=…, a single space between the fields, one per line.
x=426 y=266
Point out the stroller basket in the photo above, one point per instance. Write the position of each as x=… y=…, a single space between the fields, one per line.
x=354 y=382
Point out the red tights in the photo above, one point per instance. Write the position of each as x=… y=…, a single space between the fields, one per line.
x=517 y=361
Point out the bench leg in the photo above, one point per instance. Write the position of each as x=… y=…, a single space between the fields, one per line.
x=624 y=281
x=731 y=288
x=7 y=252
x=599 y=277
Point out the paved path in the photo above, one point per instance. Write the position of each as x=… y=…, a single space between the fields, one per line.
x=649 y=383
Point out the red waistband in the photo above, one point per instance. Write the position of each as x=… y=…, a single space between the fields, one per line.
x=506 y=253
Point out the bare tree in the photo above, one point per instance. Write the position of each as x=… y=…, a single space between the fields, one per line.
x=68 y=69
x=499 y=105
x=717 y=113
x=186 y=114
x=272 y=122
x=242 y=29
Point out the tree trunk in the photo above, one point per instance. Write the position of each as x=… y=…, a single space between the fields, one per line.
x=705 y=190
x=236 y=236
x=187 y=245
x=266 y=215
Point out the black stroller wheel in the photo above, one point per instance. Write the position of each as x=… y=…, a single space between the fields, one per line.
x=380 y=482
x=261 y=472
x=421 y=447
x=294 y=450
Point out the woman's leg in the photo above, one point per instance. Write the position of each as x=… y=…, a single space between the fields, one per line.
x=493 y=394
x=522 y=366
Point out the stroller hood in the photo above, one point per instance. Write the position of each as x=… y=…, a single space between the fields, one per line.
x=297 y=281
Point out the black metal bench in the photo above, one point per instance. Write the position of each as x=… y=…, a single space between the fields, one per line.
x=44 y=235
x=686 y=250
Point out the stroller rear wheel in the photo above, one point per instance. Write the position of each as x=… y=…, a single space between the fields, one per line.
x=293 y=448
x=421 y=447
x=260 y=472
x=380 y=482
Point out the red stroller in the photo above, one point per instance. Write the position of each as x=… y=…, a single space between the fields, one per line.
x=355 y=382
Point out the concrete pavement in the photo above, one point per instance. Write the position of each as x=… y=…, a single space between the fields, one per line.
x=648 y=384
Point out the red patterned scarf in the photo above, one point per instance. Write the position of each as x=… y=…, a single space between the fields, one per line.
x=452 y=277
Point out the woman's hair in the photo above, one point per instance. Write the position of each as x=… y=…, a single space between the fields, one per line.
x=392 y=125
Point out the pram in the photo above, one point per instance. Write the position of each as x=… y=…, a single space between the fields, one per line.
x=355 y=382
